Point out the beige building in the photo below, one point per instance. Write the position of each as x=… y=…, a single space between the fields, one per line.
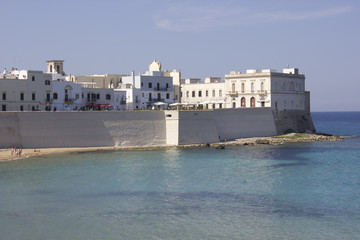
x=266 y=88
x=256 y=88
x=98 y=81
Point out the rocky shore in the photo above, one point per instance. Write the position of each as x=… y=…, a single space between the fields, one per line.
x=288 y=138
x=6 y=155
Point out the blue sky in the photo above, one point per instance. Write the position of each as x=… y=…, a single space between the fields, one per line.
x=201 y=38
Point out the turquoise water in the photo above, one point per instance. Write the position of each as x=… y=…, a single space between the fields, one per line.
x=289 y=191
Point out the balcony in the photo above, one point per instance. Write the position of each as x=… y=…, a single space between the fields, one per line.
x=47 y=100
x=162 y=89
x=262 y=92
x=156 y=100
x=233 y=93
x=122 y=102
x=69 y=100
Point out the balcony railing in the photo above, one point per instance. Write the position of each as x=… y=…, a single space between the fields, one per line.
x=156 y=100
x=263 y=92
x=233 y=93
x=162 y=89
x=69 y=100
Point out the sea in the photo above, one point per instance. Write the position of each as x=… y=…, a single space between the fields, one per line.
x=286 y=191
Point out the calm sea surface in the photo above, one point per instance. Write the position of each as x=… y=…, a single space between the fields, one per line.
x=288 y=191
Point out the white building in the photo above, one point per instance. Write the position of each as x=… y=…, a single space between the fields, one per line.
x=25 y=90
x=148 y=88
x=210 y=93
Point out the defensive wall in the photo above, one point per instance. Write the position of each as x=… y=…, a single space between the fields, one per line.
x=141 y=128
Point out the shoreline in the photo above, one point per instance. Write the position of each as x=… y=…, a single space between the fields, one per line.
x=5 y=154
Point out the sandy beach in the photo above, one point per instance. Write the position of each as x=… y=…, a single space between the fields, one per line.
x=6 y=154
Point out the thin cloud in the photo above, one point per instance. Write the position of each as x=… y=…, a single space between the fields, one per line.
x=195 y=19
x=287 y=16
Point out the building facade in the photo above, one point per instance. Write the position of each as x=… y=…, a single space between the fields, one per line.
x=149 y=88
x=25 y=90
x=256 y=88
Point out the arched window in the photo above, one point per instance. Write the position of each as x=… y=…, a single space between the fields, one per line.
x=252 y=102
x=252 y=87
x=243 y=87
x=243 y=102
x=233 y=87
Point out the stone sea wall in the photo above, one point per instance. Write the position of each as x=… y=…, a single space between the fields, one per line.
x=81 y=129
x=143 y=128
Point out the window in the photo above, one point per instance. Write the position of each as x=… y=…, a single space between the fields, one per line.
x=220 y=93
x=233 y=87
x=48 y=97
x=143 y=94
x=220 y=105
x=55 y=96
x=243 y=87
x=4 y=96
x=51 y=68
x=187 y=93
x=47 y=82
x=33 y=108
x=167 y=85
x=3 y=108
x=243 y=102
x=33 y=96
x=167 y=96
x=58 y=68
x=77 y=96
x=108 y=97
x=199 y=93
x=98 y=96
x=252 y=102
x=21 y=96
x=142 y=84
x=150 y=85
x=262 y=86
x=213 y=93
x=206 y=93
x=21 y=108
x=262 y=104
x=252 y=87
x=193 y=93
x=234 y=105
x=33 y=78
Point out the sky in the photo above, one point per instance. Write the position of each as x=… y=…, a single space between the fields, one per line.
x=203 y=38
